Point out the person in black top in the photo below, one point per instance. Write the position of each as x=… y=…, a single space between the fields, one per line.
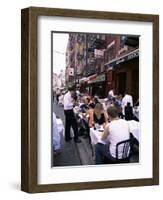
x=85 y=106
x=98 y=116
x=128 y=112
x=99 y=120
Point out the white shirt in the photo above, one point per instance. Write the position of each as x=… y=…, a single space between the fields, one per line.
x=111 y=93
x=77 y=92
x=68 y=101
x=127 y=98
x=118 y=131
x=58 y=92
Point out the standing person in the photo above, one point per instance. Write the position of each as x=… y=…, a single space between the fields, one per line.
x=78 y=94
x=57 y=95
x=128 y=112
x=126 y=99
x=70 y=120
x=111 y=94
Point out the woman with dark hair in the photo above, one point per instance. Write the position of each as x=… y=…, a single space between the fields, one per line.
x=98 y=116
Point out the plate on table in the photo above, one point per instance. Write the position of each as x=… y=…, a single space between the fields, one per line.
x=100 y=129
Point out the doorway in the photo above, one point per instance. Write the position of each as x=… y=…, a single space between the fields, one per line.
x=135 y=85
x=121 y=83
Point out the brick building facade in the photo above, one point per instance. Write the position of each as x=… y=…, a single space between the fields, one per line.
x=102 y=62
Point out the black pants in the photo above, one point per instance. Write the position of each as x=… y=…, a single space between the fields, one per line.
x=70 y=121
x=57 y=98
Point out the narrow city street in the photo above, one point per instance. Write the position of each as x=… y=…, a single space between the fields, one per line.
x=71 y=153
x=93 y=73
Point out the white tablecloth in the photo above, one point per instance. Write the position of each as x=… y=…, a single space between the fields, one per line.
x=58 y=128
x=134 y=127
x=96 y=135
x=136 y=112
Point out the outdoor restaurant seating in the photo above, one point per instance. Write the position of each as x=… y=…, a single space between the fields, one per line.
x=130 y=147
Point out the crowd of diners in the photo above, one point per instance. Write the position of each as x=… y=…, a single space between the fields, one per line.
x=84 y=112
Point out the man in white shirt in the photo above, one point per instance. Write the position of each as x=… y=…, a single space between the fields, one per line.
x=70 y=120
x=111 y=94
x=117 y=130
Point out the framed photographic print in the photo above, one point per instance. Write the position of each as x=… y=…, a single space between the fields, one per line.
x=90 y=99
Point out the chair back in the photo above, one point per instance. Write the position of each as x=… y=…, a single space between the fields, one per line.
x=125 y=147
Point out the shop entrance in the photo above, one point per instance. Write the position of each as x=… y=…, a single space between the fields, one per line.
x=121 y=83
x=135 y=85
x=99 y=90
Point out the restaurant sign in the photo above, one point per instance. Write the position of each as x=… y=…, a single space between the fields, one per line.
x=132 y=55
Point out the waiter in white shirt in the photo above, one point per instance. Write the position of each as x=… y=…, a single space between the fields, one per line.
x=70 y=120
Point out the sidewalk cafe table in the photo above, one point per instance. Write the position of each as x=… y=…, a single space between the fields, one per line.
x=136 y=112
x=134 y=127
x=97 y=134
x=60 y=125
x=58 y=129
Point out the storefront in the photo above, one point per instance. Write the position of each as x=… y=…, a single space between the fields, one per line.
x=125 y=74
x=97 y=86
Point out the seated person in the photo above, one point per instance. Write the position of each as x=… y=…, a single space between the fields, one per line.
x=83 y=121
x=115 y=131
x=96 y=100
x=84 y=105
x=91 y=102
x=97 y=116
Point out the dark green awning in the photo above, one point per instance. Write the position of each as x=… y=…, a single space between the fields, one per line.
x=124 y=58
x=99 y=78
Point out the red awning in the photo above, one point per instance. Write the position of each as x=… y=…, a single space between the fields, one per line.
x=91 y=78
